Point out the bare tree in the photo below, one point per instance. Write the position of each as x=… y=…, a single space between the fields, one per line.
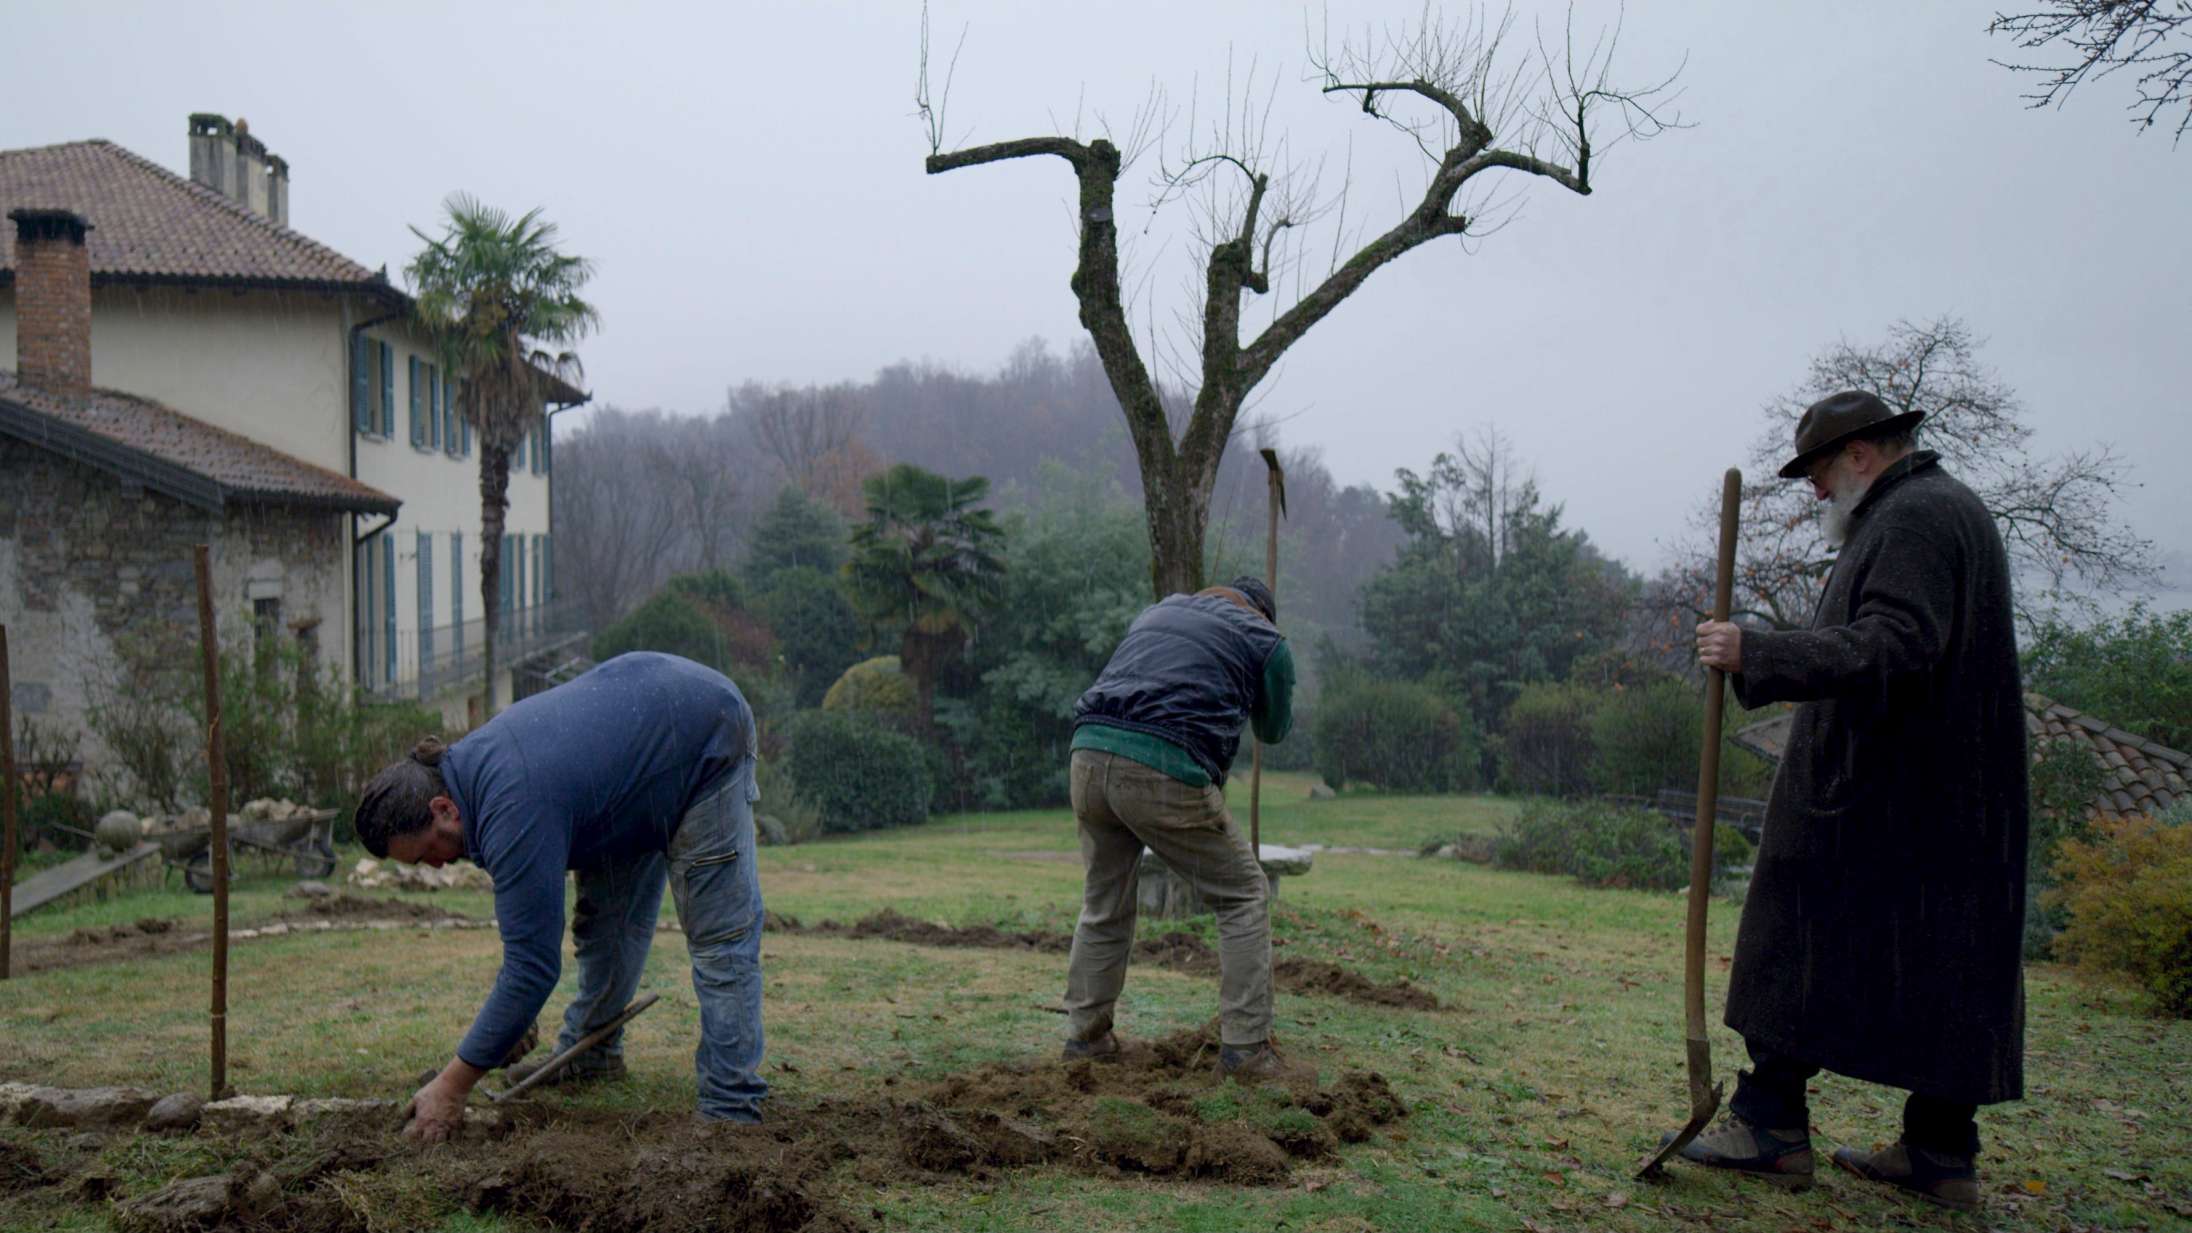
x=616 y=531
x=2057 y=515
x=802 y=428
x=702 y=471
x=2151 y=38
x=1444 y=86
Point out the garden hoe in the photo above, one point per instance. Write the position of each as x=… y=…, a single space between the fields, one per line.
x=1277 y=506
x=1704 y=1093
x=588 y=1041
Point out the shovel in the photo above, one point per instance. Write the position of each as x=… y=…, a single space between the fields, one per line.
x=1704 y=1093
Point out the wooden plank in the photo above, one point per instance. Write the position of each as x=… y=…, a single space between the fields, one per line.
x=44 y=887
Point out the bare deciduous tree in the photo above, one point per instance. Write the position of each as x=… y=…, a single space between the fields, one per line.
x=2150 y=38
x=802 y=428
x=2057 y=515
x=1446 y=86
x=703 y=473
x=615 y=534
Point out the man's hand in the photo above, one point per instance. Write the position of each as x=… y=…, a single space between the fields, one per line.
x=1720 y=645
x=437 y=1110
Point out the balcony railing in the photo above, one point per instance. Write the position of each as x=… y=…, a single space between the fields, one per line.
x=428 y=661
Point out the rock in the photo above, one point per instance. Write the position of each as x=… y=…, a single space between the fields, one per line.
x=1321 y=791
x=119 y=830
x=309 y=890
x=259 y=810
x=176 y=1114
x=1282 y=862
x=190 y=1204
x=248 y=1112
x=84 y=1107
x=770 y=831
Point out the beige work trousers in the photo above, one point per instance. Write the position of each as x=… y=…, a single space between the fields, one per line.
x=1122 y=805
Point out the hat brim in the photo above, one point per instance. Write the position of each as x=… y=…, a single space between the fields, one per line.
x=1797 y=466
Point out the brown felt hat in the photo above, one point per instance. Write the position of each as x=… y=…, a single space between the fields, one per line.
x=1838 y=419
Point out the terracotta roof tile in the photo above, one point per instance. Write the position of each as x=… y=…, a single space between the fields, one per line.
x=164 y=448
x=2139 y=775
x=150 y=223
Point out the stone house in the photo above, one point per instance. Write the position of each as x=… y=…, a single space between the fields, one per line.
x=214 y=348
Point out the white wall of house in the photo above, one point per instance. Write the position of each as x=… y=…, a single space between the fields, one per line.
x=276 y=367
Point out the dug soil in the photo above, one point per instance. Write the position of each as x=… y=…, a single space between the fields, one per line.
x=1157 y=1111
x=1181 y=952
x=153 y=936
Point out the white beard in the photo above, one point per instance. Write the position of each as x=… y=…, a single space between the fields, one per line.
x=1837 y=511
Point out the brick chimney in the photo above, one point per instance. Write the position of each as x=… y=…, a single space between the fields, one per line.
x=226 y=158
x=52 y=300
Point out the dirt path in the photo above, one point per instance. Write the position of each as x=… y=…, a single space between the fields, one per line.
x=1181 y=952
x=1157 y=1112
x=151 y=936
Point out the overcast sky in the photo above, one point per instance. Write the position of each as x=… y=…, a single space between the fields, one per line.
x=748 y=178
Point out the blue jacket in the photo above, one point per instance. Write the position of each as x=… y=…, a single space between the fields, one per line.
x=597 y=770
x=1190 y=670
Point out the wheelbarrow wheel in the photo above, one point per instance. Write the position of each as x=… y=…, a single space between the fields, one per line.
x=315 y=859
x=198 y=872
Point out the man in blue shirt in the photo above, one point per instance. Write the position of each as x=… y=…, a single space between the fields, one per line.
x=636 y=773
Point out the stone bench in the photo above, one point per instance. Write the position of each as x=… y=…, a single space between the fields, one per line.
x=1164 y=895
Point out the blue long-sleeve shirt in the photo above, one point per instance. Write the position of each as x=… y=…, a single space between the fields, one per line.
x=596 y=770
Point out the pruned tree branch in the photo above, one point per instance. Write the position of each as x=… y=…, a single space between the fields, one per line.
x=2150 y=38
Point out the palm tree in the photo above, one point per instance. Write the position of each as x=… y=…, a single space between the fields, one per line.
x=925 y=563
x=499 y=301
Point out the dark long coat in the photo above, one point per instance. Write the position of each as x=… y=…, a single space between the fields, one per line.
x=1882 y=937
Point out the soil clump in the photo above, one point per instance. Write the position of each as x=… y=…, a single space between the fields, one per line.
x=1157 y=1111
x=1179 y=952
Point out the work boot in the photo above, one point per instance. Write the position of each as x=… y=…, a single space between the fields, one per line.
x=1104 y=1048
x=583 y=1069
x=1952 y=1181
x=1778 y=1157
x=1253 y=1063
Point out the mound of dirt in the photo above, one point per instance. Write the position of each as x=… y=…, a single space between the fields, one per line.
x=1179 y=952
x=1158 y=1111
x=143 y=927
x=345 y=906
x=20 y=1169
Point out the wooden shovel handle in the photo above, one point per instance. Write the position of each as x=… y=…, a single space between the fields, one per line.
x=1708 y=768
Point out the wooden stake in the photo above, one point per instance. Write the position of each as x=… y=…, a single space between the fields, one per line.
x=1275 y=502
x=7 y=811
x=209 y=647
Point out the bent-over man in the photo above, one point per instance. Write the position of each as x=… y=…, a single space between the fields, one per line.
x=639 y=772
x=1152 y=740
x=1883 y=932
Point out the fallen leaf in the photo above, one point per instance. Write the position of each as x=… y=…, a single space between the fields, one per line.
x=1617 y=1200
x=1555 y=1178
x=2122 y=1176
x=1499 y=1192
x=2034 y=1186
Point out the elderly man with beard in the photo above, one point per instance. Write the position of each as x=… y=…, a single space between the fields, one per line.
x=1882 y=935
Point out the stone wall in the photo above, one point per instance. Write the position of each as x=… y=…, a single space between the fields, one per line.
x=88 y=566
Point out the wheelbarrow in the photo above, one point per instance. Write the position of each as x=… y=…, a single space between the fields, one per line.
x=306 y=839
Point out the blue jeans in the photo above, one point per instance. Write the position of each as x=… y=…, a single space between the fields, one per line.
x=710 y=870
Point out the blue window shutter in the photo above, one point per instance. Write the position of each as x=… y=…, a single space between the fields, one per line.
x=456 y=593
x=388 y=388
x=537 y=591
x=449 y=414
x=547 y=446
x=433 y=407
x=467 y=426
x=418 y=429
x=388 y=603
x=502 y=586
x=361 y=383
x=517 y=456
x=426 y=601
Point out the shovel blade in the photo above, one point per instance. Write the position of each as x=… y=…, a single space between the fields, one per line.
x=1704 y=1102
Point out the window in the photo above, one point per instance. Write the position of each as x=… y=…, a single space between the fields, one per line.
x=433 y=407
x=456 y=594
x=426 y=601
x=388 y=605
x=502 y=589
x=361 y=382
x=547 y=445
x=517 y=456
x=548 y=565
x=449 y=416
x=540 y=590
x=517 y=551
x=266 y=629
x=416 y=388
x=465 y=426
x=387 y=388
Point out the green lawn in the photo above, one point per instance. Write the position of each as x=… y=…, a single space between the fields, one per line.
x=1557 y=1064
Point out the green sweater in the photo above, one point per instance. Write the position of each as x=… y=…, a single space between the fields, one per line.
x=1272 y=719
